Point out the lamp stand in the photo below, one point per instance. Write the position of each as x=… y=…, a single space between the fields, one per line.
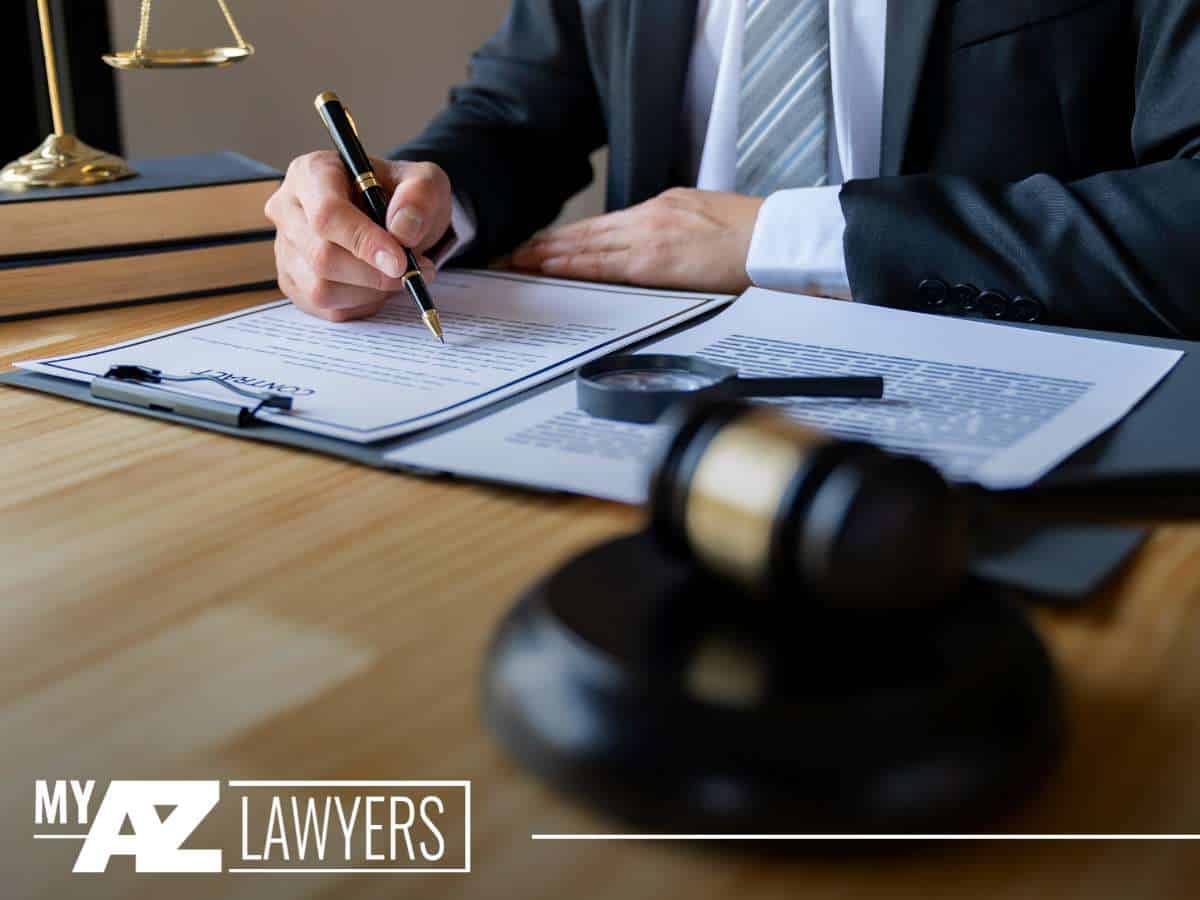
x=62 y=160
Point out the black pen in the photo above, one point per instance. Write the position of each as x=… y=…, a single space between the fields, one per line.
x=345 y=137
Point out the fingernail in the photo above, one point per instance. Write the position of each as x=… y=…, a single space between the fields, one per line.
x=388 y=264
x=554 y=262
x=405 y=221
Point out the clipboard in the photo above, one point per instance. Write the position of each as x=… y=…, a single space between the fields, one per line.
x=1156 y=448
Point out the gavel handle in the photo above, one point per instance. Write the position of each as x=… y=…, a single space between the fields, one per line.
x=868 y=387
x=1138 y=499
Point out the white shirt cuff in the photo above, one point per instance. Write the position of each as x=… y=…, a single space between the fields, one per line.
x=462 y=231
x=797 y=242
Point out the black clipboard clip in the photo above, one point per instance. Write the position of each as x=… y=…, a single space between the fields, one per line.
x=141 y=386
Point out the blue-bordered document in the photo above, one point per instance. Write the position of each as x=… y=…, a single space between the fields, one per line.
x=383 y=377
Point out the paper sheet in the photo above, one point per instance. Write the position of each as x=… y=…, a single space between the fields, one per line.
x=984 y=402
x=386 y=376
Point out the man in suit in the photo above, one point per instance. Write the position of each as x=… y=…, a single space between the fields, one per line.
x=1024 y=160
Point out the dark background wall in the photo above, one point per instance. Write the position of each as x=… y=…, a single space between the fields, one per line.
x=82 y=34
x=393 y=64
x=393 y=61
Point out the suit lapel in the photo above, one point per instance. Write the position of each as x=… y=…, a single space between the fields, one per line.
x=909 y=29
x=660 y=35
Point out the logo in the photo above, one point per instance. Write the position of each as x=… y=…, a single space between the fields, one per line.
x=284 y=826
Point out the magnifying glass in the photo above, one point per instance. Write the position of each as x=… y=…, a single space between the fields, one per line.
x=640 y=387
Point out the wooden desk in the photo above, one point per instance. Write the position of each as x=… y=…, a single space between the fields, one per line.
x=177 y=604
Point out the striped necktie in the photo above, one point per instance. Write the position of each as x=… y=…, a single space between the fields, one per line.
x=783 y=117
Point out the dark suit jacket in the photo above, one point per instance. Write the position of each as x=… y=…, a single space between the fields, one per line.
x=1038 y=149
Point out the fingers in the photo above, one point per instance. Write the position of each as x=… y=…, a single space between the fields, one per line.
x=332 y=260
x=326 y=299
x=329 y=262
x=683 y=238
x=588 y=229
x=420 y=208
x=330 y=296
x=324 y=192
x=613 y=266
x=605 y=234
x=536 y=253
x=322 y=284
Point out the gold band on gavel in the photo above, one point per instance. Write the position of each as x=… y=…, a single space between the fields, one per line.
x=738 y=488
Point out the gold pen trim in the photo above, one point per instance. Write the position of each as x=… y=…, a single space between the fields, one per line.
x=325 y=97
x=367 y=180
x=434 y=324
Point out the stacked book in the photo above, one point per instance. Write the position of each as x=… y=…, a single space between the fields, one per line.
x=183 y=227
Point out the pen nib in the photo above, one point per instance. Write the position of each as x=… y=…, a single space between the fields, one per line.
x=434 y=324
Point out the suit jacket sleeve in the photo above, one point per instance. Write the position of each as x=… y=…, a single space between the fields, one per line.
x=515 y=139
x=1118 y=250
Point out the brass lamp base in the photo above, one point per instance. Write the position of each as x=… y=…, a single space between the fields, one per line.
x=63 y=161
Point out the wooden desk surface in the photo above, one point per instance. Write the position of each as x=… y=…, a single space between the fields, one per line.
x=178 y=604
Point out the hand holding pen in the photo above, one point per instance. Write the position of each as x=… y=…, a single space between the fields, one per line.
x=333 y=260
x=344 y=134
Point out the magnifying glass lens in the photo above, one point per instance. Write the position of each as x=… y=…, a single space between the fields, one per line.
x=654 y=380
x=640 y=387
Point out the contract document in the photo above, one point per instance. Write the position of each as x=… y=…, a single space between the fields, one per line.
x=983 y=402
x=381 y=377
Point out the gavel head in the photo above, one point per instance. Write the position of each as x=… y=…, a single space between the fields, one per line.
x=788 y=511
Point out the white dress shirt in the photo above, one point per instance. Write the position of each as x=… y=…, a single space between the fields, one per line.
x=797 y=242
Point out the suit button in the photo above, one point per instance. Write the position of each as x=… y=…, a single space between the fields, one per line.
x=933 y=292
x=1026 y=309
x=965 y=297
x=993 y=305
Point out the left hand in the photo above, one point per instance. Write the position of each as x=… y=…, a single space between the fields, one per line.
x=684 y=238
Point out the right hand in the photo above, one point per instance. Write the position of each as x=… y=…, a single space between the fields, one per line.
x=333 y=261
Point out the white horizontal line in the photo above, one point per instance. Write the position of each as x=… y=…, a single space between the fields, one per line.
x=59 y=837
x=375 y=871
x=865 y=837
x=279 y=784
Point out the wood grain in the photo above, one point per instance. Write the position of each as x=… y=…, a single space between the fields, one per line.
x=178 y=604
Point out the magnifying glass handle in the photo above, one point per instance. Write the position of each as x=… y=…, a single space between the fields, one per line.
x=858 y=387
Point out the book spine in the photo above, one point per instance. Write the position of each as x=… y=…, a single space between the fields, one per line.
x=141 y=276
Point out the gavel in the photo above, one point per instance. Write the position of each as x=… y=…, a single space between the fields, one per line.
x=781 y=508
x=796 y=626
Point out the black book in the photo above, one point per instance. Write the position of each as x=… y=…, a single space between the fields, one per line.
x=182 y=227
x=182 y=198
